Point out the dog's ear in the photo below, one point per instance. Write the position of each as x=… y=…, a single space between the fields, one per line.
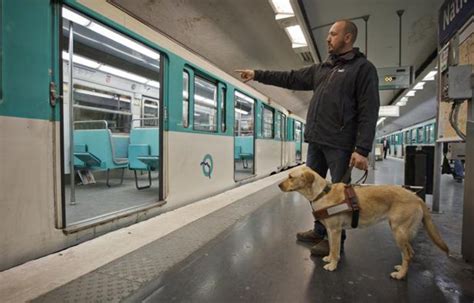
x=309 y=177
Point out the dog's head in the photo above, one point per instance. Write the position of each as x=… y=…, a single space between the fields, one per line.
x=298 y=179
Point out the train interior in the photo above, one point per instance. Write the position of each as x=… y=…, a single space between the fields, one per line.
x=111 y=122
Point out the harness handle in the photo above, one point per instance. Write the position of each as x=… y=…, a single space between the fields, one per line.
x=347 y=177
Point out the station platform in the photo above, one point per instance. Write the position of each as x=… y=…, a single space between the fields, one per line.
x=240 y=246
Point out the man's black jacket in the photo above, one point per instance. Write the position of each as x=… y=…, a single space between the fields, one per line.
x=344 y=108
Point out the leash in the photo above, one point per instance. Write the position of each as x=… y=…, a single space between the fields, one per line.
x=346 y=179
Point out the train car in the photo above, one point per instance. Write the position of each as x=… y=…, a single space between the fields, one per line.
x=419 y=134
x=296 y=147
x=106 y=122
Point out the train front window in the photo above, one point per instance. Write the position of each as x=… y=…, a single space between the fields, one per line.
x=111 y=86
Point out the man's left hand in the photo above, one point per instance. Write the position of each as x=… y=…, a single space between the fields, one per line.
x=359 y=161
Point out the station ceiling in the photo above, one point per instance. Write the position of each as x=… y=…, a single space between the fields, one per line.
x=244 y=34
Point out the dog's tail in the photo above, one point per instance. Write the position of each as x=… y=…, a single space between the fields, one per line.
x=432 y=230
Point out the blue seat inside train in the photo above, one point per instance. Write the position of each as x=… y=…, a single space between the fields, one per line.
x=98 y=149
x=243 y=147
x=143 y=150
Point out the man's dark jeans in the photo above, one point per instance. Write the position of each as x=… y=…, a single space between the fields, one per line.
x=320 y=159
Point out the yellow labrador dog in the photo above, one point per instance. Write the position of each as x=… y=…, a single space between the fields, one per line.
x=402 y=208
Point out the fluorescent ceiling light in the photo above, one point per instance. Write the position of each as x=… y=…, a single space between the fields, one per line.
x=380 y=120
x=404 y=99
x=296 y=36
x=419 y=86
x=410 y=93
x=207 y=101
x=81 y=60
x=282 y=7
x=123 y=40
x=401 y=103
x=430 y=76
x=91 y=93
x=121 y=73
x=153 y=83
x=389 y=111
x=244 y=97
x=283 y=16
x=76 y=18
x=241 y=111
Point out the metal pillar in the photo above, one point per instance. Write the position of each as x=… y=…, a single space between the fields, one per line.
x=71 y=117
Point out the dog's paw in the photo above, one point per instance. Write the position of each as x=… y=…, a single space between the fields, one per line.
x=397 y=275
x=397 y=267
x=327 y=259
x=330 y=266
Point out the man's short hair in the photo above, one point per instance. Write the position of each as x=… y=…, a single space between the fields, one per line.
x=351 y=28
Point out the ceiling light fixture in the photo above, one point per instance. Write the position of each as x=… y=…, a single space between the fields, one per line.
x=430 y=76
x=296 y=36
x=419 y=86
x=410 y=93
x=76 y=18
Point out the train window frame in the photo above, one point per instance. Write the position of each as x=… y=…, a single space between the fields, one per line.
x=254 y=109
x=267 y=109
x=143 y=113
x=94 y=87
x=284 y=127
x=420 y=134
x=216 y=108
x=223 y=104
x=185 y=117
x=300 y=129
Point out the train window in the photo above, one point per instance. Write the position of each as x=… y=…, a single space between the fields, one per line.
x=244 y=106
x=283 y=127
x=205 y=105
x=94 y=104
x=267 y=122
x=413 y=136
x=433 y=135
x=185 y=99
x=150 y=112
x=419 y=135
x=223 y=108
x=277 y=126
x=407 y=137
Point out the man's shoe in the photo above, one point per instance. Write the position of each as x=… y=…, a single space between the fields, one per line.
x=321 y=249
x=309 y=236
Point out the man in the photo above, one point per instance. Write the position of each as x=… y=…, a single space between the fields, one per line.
x=386 y=147
x=342 y=115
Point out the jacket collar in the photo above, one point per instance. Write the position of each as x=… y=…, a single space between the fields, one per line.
x=343 y=58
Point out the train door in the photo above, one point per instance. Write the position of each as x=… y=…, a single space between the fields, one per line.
x=112 y=121
x=284 y=144
x=298 y=141
x=244 y=136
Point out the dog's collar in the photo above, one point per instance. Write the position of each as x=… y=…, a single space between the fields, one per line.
x=326 y=190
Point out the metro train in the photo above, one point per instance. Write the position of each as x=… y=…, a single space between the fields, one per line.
x=419 y=134
x=131 y=124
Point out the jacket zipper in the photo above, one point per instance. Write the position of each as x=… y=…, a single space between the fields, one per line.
x=325 y=84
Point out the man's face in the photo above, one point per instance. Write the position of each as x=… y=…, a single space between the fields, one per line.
x=337 y=38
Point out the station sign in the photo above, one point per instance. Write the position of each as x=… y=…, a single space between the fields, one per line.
x=452 y=15
x=398 y=77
